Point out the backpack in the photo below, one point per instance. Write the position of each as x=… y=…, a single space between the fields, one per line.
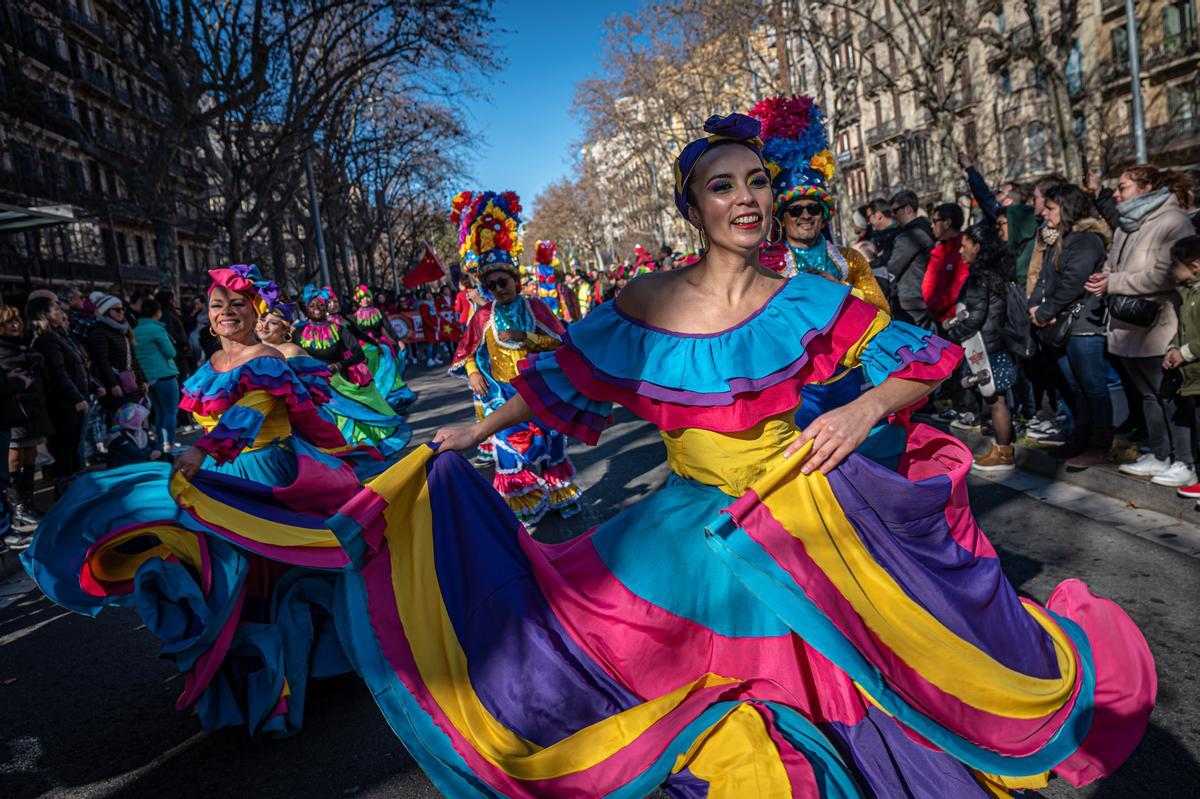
x=1016 y=329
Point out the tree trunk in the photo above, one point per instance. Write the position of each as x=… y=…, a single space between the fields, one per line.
x=278 y=251
x=1064 y=126
x=165 y=242
x=947 y=158
x=233 y=229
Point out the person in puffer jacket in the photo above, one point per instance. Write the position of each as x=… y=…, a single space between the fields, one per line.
x=985 y=296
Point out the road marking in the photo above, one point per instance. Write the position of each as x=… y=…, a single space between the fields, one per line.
x=112 y=785
x=33 y=628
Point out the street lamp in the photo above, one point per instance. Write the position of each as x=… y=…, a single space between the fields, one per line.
x=1135 y=83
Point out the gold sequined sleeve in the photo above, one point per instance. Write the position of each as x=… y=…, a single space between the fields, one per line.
x=863 y=280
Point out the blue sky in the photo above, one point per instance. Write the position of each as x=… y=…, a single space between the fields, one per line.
x=526 y=130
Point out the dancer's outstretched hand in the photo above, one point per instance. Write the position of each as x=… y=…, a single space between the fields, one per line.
x=189 y=462
x=834 y=436
x=456 y=439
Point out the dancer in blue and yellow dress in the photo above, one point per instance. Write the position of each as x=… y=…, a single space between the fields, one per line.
x=357 y=406
x=227 y=559
x=533 y=472
x=764 y=625
x=382 y=349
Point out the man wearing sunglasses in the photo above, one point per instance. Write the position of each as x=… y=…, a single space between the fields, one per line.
x=805 y=220
x=533 y=472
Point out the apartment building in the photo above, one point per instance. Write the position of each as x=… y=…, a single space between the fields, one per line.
x=80 y=103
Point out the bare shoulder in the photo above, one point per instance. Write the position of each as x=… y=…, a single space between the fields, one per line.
x=643 y=294
x=264 y=351
x=289 y=350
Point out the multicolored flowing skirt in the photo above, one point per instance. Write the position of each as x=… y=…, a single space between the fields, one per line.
x=364 y=416
x=389 y=375
x=533 y=472
x=842 y=636
x=235 y=572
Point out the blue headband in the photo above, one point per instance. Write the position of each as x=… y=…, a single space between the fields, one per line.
x=312 y=292
x=735 y=127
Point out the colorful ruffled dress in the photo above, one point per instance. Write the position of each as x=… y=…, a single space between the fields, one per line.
x=383 y=357
x=358 y=422
x=533 y=472
x=234 y=571
x=357 y=407
x=748 y=630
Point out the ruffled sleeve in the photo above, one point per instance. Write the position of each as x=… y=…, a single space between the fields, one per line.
x=903 y=350
x=314 y=374
x=234 y=399
x=557 y=402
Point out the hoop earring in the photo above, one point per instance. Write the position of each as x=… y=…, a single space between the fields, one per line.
x=771 y=237
x=287 y=336
x=703 y=241
x=212 y=332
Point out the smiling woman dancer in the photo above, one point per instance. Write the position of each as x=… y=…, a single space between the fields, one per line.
x=784 y=617
x=227 y=559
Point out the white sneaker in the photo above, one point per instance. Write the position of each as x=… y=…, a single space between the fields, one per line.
x=1146 y=466
x=1178 y=474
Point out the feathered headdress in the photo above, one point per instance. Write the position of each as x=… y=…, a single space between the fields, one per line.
x=545 y=252
x=796 y=150
x=488 y=227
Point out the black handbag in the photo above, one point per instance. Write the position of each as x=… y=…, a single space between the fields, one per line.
x=1137 y=311
x=1055 y=336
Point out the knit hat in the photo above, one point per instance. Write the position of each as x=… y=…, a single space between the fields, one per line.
x=104 y=302
x=42 y=294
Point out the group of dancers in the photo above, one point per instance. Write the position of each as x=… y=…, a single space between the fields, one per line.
x=806 y=608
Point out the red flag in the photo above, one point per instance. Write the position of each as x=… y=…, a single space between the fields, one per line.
x=428 y=270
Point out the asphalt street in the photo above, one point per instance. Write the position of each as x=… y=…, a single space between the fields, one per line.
x=87 y=707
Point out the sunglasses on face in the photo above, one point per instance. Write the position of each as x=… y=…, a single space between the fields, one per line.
x=806 y=209
x=492 y=285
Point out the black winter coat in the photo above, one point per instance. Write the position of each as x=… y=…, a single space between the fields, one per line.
x=984 y=295
x=111 y=352
x=910 y=258
x=1065 y=270
x=66 y=370
x=26 y=407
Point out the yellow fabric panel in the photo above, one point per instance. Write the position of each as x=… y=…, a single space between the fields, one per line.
x=999 y=786
x=525 y=502
x=504 y=359
x=246 y=524
x=443 y=665
x=738 y=758
x=109 y=565
x=275 y=419
x=564 y=494
x=806 y=506
x=862 y=279
x=730 y=461
x=853 y=355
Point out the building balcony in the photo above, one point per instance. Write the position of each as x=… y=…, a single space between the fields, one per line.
x=875 y=80
x=59 y=271
x=1180 y=134
x=96 y=79
x=882 y=133
x=80 y=21
x=1111 y=8
x=1172 y=53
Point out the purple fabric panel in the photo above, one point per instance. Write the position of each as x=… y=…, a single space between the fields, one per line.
x=903 y=525
x=737 y=385
x=686 y=785
x=524 y=667
x=253 y=498
x=893 y=765
x=558 y=405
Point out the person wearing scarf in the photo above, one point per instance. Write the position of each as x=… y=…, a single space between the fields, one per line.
x=110 y=347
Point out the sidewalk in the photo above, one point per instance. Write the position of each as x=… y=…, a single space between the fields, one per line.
x=1131 y=504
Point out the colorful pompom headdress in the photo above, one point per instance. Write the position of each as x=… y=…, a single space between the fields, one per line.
x=488 y=226
x=363 y=291
x=796 y=150
x=545 y=253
